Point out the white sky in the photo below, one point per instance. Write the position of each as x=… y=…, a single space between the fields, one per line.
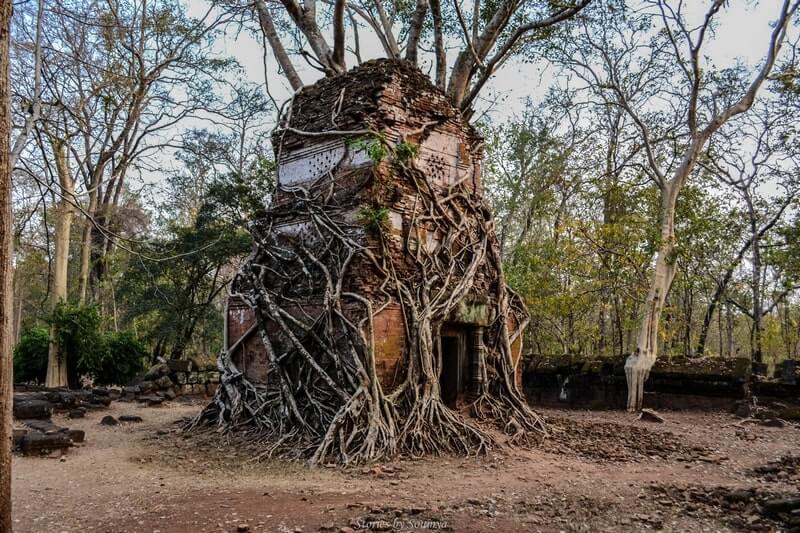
x=743 y=33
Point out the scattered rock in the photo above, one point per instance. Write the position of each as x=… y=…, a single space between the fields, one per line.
x=130 y=418
x=108 y=420
x=76 y=413
x=648 y=415
x=77 y=435
x=743 y=409
x=608 y=441
x=151 y=401
x=781 y=505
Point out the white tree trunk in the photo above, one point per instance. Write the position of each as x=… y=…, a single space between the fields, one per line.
x=639 y=363
x=57 y=361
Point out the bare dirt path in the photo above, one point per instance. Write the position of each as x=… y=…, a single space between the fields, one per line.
x=601 y=471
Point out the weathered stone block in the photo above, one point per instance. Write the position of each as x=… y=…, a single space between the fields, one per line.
x=163 y=382
x=35 y=442
x=156 y=372
x=32 y=409
x=77 y=435
x=179 y=365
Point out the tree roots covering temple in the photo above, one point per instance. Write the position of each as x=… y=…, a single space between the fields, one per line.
x=377 y=243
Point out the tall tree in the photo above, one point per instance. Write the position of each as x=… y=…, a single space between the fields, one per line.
x=115 y=93
x=489 y=34
x=635 y=61
x=770 y=164
x=6 y=297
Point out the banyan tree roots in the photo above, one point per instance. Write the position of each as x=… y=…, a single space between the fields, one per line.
x=323 y=399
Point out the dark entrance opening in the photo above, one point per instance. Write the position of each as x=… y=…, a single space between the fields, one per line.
x=450 y=378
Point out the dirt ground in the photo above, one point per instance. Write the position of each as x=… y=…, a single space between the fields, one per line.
x=599 y=471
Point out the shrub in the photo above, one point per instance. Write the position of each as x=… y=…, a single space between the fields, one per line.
x=374 y=144
x=109 y=358
x=30 y=356
x=119 y=358
x=406 y=151
x=374 y=218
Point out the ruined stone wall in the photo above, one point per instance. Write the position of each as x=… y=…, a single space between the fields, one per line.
x=709 y=383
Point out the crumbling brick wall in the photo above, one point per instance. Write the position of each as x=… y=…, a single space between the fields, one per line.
x=396 y=101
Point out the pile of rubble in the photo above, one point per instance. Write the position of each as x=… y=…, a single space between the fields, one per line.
x=607 y=441
x=166 y=381
x=786 y=469
x=743 y=508
x=39 y=402
x=36 y=434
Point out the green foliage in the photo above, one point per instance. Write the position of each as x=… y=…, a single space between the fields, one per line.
x=117 y=359
x=375 y=219
x=406 y=151
x=109 y=358
x=30 y=356
x=76 y=331
x=374 y=144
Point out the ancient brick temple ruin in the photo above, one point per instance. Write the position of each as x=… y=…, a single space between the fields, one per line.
x=372 y=317
x=400 y=104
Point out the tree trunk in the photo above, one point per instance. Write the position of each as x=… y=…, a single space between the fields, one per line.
x=720 y=290
x=639 y=363
x=755 y=348
x=688 y=302
x=56 y=360
x=729 y=325
x=86 y=242
x=6 y=229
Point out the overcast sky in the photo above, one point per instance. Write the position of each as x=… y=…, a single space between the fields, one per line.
x=743 y=33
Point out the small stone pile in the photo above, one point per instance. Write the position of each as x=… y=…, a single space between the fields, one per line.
x=166 y=381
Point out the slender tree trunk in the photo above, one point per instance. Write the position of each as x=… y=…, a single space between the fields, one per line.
x=721 y=286
x=6 y=296
x=86 y=241
x=620 y=334
x=755 y=348
x=638 y=365
x=56 y=360
x=688 y=316
x=720 y=333
x=729 y=325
